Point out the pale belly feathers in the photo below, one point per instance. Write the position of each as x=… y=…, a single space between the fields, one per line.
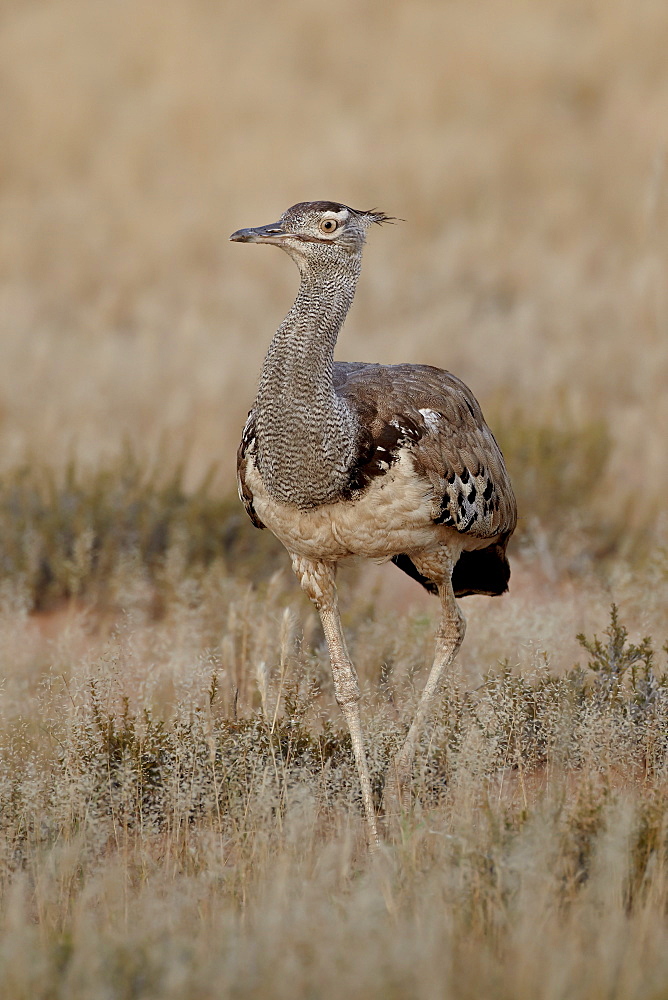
x=393 y=515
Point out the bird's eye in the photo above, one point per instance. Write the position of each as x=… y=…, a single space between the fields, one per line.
x=328 y=225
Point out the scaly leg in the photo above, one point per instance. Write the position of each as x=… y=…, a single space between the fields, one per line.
x=449 y=637
x=317 y=580
x=346 y=689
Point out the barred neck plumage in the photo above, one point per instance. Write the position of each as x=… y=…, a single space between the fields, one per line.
x=306 y=435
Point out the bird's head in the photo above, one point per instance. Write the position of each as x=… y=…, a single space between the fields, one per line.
x=316 y=233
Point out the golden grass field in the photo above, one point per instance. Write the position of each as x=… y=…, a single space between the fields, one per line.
x=179 y=812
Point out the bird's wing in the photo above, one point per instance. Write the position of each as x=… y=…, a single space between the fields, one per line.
x=246 y=450
x=437 y=417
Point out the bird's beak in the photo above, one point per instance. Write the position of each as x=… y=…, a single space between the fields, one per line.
x=273 y=233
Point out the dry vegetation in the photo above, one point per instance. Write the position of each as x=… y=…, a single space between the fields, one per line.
x=179 y=809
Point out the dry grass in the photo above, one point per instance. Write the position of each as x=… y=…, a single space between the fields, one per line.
x=179 y=808
x=181 y=816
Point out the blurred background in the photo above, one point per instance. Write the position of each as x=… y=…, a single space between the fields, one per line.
x=525 y=144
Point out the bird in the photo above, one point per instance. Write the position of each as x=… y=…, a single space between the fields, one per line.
x=388 y=462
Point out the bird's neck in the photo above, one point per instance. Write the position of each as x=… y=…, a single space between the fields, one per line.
x=306 y=434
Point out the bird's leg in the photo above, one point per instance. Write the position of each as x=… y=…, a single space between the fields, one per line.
x=449 y=637
x=317 y=580
x=346 y=689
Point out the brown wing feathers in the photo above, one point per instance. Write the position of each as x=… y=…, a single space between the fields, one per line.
x=246 y=448
x=437 y=416
x=453 y=449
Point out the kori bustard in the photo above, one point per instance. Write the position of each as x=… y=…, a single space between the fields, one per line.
x=382 y=461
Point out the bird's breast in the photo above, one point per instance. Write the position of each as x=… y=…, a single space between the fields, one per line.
x=393 y=514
